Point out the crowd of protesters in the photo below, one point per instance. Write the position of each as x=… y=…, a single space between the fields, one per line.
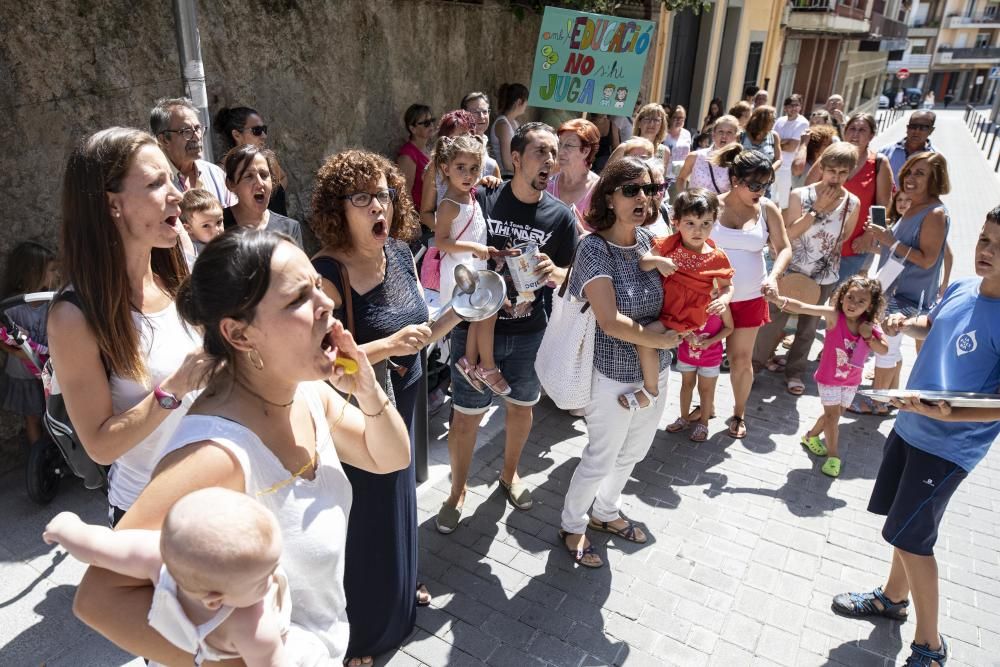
x=197 y=345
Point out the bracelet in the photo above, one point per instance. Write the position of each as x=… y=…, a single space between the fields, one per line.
x=377 y=414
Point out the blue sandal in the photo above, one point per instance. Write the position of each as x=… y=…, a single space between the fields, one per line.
x=923 y=656
x=860 y=605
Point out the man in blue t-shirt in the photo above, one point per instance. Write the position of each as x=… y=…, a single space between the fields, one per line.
x=933 y=447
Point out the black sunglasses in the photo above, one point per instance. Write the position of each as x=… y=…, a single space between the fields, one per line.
x=632 y=189
x=754 y=186
x=920 y=126
x=426 y=123
x=258 y=131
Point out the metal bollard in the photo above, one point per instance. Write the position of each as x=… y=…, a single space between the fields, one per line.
x=986 y=135
x=989 y=153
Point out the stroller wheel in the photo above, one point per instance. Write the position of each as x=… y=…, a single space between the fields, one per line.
x=43 y=471
x=725 y=364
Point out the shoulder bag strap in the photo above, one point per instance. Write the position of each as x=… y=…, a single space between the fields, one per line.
x=711 y=173
x=472 y=216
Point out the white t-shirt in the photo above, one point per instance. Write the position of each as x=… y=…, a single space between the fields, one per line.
x=790 y=129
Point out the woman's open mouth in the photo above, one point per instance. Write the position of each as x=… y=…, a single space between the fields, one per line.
x=260 y=197
x=171 y=221
x=380 y=230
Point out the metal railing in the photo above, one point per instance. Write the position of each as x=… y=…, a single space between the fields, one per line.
x=968 y=53
x=884 y=118
x=984 y=132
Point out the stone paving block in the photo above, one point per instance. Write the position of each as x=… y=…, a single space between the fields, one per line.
x=548 y=621
x=676 y=653
x=433 y=650
x=636 y=634
x=508 y=630
x=471 y=640
x=742 y=631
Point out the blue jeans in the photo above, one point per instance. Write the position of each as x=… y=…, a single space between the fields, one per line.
x=515 y=357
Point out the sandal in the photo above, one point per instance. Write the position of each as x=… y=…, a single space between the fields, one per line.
x=632 y=404
x=813 y=444
x=776 y=364
x=861 y=605
x=357 y=662
x=862 y=405
x=796 y=387
x=629 y=532
x=922 y=656
x=699 y=434
x=423 y=595
x=831 y=467
x=579 y=555
x=493 y=379
x=737 y=427
x=679 y=425
x=787 y=341
x=468 y=373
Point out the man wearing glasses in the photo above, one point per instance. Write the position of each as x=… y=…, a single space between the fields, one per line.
x=175 y=124
x=917 y=140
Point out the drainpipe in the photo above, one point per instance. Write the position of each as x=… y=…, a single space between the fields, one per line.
x=192 y=68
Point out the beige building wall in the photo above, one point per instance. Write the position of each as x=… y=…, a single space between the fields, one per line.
x=861 y=77
x=759 y=17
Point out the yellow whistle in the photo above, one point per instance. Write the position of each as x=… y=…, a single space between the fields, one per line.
x=349 y=365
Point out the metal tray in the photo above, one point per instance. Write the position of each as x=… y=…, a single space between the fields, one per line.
x=957 y=399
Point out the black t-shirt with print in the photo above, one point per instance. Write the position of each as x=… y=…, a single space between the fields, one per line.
x=509 y=221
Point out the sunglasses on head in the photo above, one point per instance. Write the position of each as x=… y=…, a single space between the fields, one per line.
x=258 y=131
x=632 y=189
x=754 y=186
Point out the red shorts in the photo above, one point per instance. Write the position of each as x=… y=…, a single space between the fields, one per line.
x=750 y=314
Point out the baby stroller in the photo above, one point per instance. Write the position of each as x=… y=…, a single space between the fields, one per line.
x=58 y=452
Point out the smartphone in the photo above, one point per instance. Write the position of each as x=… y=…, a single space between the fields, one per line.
x=877 y=215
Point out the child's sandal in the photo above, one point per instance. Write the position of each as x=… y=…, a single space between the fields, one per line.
x=678 y=425
x=468 y=373
x=493 y=379
x=632 y=404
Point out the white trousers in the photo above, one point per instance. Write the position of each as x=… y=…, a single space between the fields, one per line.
x=617 y=440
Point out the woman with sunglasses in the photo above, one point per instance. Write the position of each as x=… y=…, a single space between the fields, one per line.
x=748 y=222
x=363 y=217
x=412 y=158
x=624 y=299
x=239 y=126
x=574 y=182
x=250 y=175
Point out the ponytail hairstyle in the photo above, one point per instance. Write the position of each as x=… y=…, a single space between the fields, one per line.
x=447 y=149
x=743 y=163
x=93 y=254
x=229 y=119
x=508 y=95
x=229 y=280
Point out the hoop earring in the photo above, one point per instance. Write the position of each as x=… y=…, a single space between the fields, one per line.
x=258 y=363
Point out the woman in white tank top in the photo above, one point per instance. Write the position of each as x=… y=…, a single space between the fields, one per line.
x=267 y=424
x=127 y=368
x=747 y=223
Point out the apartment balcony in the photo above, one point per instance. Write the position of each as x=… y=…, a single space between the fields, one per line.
x=838 y=17
x=885 y=28
x=914 y=63
x=925 y=30
x=947 y=55
x=981 y=22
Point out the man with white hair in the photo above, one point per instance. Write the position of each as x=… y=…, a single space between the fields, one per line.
x=835 y=107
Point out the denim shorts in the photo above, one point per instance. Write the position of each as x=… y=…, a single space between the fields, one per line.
x=703 y=371
x=515 y=357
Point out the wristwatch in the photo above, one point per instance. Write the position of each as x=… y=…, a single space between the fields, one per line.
x=166 y=400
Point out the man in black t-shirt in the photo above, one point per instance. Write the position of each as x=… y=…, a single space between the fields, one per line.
x=519 y=211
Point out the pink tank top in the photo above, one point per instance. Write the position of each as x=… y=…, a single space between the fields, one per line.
x=843 y=356
x=711 y=356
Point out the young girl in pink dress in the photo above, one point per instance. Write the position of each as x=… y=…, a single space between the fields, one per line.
x=852 y=333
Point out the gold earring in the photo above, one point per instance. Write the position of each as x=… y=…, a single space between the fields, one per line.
x=258 y=363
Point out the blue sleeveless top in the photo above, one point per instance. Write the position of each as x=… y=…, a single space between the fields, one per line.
x=916 y=288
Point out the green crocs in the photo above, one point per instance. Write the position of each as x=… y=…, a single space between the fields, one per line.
x=831 y=467
x=814 y=444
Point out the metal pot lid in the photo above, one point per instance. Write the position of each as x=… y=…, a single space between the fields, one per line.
x=482 y=303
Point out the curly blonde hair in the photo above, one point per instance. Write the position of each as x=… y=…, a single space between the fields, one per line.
x=354 y=171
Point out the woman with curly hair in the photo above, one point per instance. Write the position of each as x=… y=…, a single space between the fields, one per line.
x=364 y=217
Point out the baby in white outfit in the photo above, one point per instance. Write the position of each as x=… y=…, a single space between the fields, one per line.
x=219 y=591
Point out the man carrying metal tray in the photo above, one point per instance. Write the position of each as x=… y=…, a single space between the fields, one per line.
x=935 y=443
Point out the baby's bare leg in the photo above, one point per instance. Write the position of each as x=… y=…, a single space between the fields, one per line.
x=649 y=363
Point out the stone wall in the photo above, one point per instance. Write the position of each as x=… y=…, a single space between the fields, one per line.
x=325 y=75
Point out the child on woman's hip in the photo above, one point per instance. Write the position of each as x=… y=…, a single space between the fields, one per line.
x=696 y=282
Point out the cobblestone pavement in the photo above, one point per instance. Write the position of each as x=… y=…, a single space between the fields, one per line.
x=748 y=541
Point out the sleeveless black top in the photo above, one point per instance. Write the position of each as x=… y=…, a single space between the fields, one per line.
x=386 y=308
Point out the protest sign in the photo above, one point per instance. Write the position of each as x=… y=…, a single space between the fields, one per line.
x=589 y=62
